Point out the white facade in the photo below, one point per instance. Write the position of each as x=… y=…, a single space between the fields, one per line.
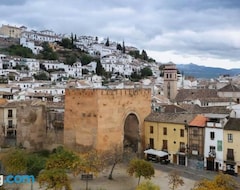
x=51 y=90
x=213 y=145
x=91 y=66
x=42 y=36
x=50 y=65
x=74 y=71
x=235 y=111
x=28 y=85
x=57 y=75
x=33 y=64
x=26 y=43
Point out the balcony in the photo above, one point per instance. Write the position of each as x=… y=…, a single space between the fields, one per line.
x=212 y=154
x=11 y=127
x=230 y=157
x=182 y=149
x=213 y=124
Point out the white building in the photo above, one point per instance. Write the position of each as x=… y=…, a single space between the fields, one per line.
x=213 y=145
x=74 y=71
x=31 y=45
x=54 y=65
x=28 y=85
x=42 y=36
x=33 y=64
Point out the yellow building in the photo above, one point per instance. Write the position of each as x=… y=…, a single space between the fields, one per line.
x=8 y=121
x=168 y=132
x=11 y=31
x=231 y=146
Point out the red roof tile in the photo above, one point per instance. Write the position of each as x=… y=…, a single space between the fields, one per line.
x=198 y=121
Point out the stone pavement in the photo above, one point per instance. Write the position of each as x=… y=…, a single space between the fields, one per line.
x=190 y=173
x=122 y=181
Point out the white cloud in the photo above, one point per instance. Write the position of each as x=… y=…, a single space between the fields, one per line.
x=208 y=29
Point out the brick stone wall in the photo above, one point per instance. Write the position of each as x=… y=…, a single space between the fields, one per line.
x=95 y=118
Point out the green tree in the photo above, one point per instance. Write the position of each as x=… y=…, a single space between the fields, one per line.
x=135 y=54
x=135 y=77
x=161 y=68
x=100 y=71
x=175 y=180
x=55 y=173
x=119 y=47
x=70 y=59
x=35 y=163
x=107 y=42
x=144 y=55
x=20 y=51
x=47 y=52
x=147 y=186
x=41 y=76
x=123 y=47
x=15 y=162
x=71 y=38
x=220 y=182
x=67 y=43
x=145 y=72
x=89 y=163
x=86 y=59
x=56 y=179
x=141 y=168
x=61 y=159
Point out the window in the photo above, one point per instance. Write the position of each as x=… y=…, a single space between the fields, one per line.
x=151 y=143
x=182 y=147
x=10 y=113
x=194 y=147
x=212 y=149
x=10 y=123
x=195 y=132
x=151 y=129
x=181 y=132
x=164 y=130
x=219 y=145
x=165 y=145
x=230 y=137
x=212 y=135
x=230 y=155
x=212 y=152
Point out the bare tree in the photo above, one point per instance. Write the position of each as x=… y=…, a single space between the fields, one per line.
x=112 y=157
x=175 y=180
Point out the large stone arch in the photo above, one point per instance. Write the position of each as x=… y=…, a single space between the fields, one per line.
x=131 y=133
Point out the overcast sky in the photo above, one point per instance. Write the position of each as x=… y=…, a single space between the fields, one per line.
x=205 y=32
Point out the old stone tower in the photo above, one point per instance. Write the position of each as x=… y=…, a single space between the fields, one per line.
x=101 y=118
x=170 y=81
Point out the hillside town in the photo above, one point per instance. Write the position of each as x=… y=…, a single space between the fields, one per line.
x=196 y=122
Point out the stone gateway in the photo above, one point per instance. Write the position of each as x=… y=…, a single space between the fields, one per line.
x=101 y=118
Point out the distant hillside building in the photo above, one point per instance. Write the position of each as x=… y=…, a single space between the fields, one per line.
x=170 y=81
x=11 y=31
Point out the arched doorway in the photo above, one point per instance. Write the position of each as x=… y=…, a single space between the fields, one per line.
x=131 y=134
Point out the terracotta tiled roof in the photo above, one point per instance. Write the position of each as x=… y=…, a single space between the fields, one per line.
x=213 y=109
x=229 y=88
x=233 y=124
x=179 y=118
x=193 y=94
x=173 y=109
x=198 y=121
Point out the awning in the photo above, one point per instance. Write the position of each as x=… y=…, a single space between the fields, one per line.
x=156 y=152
